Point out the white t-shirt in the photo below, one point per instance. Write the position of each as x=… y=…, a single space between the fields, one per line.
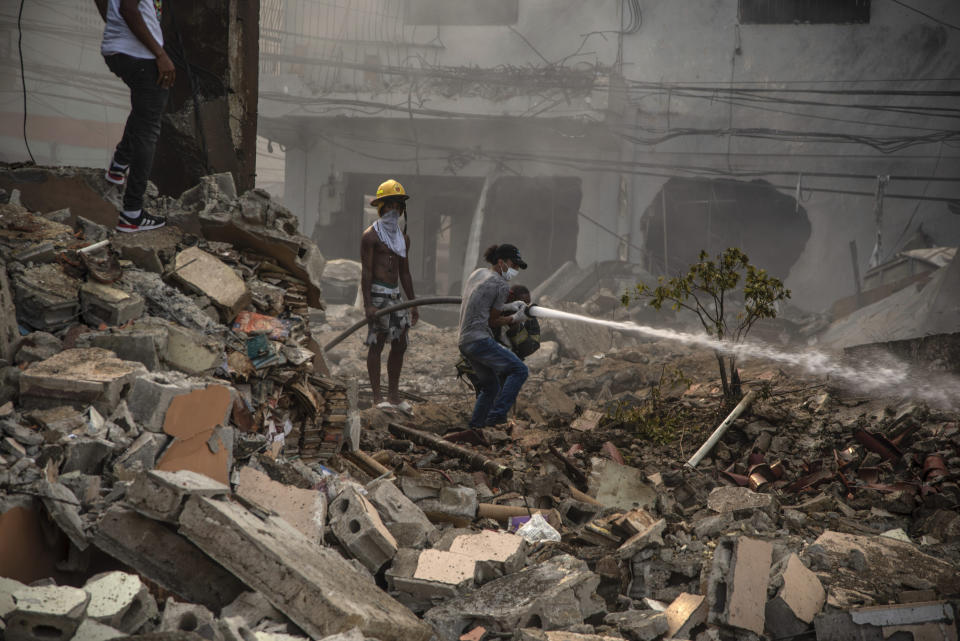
x=117 y=37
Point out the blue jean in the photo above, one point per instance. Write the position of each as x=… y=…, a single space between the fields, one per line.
x=147 y=102
x=490 y=360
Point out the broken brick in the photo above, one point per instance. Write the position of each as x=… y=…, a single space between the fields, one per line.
x=206 y=275
x=78 y=376
x=799 y=600
x=737 y=588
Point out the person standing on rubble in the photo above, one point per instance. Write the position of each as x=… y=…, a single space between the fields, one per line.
x=132 y=47
x=385 y=268
x=485 y=309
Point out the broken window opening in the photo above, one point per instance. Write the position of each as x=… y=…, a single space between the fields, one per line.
x=694 y=214
x=804 y=11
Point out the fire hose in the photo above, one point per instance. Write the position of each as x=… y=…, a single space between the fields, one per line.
x=418 y=302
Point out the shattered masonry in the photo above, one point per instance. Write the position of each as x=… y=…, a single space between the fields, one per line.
x=167 y=411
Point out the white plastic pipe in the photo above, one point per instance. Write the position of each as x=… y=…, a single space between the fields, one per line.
x=94 y=247
x=717 y=433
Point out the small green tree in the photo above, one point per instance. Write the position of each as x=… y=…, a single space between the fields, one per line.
x=711 y=289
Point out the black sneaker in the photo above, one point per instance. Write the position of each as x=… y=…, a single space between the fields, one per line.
x=144 y=222
x=116 y=173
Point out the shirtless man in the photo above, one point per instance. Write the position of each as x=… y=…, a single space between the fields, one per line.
x=383 y=257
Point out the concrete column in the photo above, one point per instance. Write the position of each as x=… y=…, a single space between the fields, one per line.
x=221 y=43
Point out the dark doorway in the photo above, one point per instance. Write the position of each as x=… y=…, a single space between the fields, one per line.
x=690 y=214
x=539 y=216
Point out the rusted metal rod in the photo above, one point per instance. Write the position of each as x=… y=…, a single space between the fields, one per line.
x=364 y=460
x=717 y=433
x=574 y=471
x=446 y=447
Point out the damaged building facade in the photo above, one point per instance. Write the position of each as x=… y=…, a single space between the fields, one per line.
x=76 y=108
x=189 y=450
x=539 y=123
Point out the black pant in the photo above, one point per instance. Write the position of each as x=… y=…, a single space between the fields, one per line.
x=147 y=102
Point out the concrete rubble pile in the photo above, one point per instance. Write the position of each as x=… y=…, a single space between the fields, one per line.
x=178 y=462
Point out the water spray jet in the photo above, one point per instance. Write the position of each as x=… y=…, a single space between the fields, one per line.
x=887 y=378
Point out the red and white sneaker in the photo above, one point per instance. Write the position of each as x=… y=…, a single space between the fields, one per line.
x=116 y=173
x=144 y=222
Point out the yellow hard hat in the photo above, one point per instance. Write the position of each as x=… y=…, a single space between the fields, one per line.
x=387 y=189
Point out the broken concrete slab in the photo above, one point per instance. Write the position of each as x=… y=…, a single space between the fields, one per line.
x=424 y=578
x=727 y=499
x=166 y=301
x=86 y=487
x=650 y=534
x=191 y=352
x=80 y=377
x=205 y=274
x=454 y=504
x=64 y=508
x=160 y=494
x=9 y=332
x=37 y=346
x=295 y=253
x=405 y=520
x=444 y=567
x=187 y=616
x=140 y=456
x=102 y=304
x=934 y=621
x=149 y=251
x=23 y=435
x=252 y=608
x=46 y=298
x=639 y=625
x=317 y=588
x=193 y=405
x=620 y=486
x=64 y=419
x=166 y=558
x=496 y=553
x=799 y=600
x=554 y=594
x=208 y=453
x=143 y=346
x=90 y=630
x=587 y=421
x=7 y=588
x=305 y=510
x=685 y=613
x=120 y=600
x=536 y=634
x=552 y=401
x=889 y=565
x=86 y=455
x=45 y=613
x=233 y=629
x=737 y=587
x=358 y=526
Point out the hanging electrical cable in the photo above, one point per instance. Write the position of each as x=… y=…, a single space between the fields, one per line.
x=636 y=17
x=23 y=80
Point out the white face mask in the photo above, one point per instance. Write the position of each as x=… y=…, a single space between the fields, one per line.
x=510 y=273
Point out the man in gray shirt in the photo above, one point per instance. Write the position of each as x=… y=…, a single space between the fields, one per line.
x=484 y=307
